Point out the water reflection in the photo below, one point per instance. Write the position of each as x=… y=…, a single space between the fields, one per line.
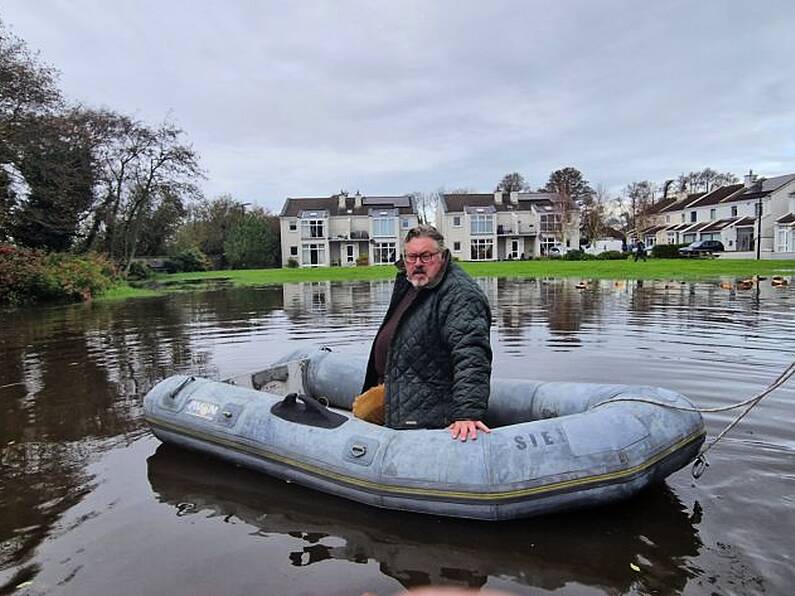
x=72 y=379
x=654 y=531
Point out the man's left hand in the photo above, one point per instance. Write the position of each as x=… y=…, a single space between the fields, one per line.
x=463 y=429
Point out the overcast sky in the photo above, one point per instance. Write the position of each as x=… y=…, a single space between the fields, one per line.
x=307 y=98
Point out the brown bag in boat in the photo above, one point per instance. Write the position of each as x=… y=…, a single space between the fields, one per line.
x=369 y=405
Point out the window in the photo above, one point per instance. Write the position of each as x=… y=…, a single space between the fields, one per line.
x=482 y=249
x=456 y=247
x=688 y=238
x=313 y=254
x=667 y=219
x=693 y=216
x=293 y=251
x=293 y=225
x=713 y=213
x=312 y=228
x=550 y=222
x=384 y=253
x=734 y=210
x=456 y=221
x=757 y=209
x=481 y=224
x=671 y=237
x=783 y=240
x=384 y=227
x=547 y=242
x=406 y=223
x=683 y=217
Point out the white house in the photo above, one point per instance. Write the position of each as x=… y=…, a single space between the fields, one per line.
x=337 y=230
x=505 y=225
x=730 y=214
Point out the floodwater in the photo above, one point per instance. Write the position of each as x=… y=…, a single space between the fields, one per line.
x=92 y=504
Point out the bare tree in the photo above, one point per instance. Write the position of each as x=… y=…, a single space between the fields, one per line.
x=594 y=213
x=513 y=182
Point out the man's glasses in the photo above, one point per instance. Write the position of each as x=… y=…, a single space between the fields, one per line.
x=425 y=257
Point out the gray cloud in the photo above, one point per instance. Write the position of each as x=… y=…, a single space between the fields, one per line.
x=310 y=97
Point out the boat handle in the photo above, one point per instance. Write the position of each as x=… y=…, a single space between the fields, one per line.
x=358 y=450
x=310 y=402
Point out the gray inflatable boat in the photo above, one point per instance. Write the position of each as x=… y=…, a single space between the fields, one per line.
x=553 y=446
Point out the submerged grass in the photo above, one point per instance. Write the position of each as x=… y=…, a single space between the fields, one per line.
x=673 y=269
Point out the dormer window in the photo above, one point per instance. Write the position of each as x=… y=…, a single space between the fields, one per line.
x=456 y=221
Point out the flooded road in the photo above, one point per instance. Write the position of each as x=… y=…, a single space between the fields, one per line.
x=92 y=504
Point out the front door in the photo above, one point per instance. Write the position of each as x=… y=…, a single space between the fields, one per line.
x=745 y=239
x=514 y=253
x=350 y=253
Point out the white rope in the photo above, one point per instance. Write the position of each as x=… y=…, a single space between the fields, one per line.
x=701 y=462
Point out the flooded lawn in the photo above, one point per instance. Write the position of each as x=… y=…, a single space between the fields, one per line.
x=92 y=504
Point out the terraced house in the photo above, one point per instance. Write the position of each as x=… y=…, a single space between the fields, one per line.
x=506 y=225
x=758 y=214
x=341 y=229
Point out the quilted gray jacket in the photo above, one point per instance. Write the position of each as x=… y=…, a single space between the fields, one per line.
x=439 y=365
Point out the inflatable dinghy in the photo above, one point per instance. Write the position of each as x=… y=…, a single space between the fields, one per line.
x=553 y=446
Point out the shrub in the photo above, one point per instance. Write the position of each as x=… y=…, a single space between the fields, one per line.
x=79 y=278
x=28 y=276
x=666 y=251
x=292 y=263
x=139 y=270
x=362 y=261
x=612 y=255
x=189 y=259
x=574 y=255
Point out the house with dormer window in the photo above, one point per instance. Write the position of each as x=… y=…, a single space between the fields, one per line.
x=505 y=225
x=339 y=229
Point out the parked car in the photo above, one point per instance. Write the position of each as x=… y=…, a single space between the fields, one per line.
x=557 y=250
x=701 y=248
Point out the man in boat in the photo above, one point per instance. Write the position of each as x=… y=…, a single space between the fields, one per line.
x=430 y=363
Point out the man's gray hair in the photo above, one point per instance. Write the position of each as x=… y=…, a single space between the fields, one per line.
x=426 y=231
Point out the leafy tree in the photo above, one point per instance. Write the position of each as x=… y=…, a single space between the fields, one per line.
x=251 y=243
x=207 y=226
x=28 y=90
x=55 y=158
x=513 y=182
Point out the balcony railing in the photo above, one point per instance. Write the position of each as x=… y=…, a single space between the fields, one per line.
x=516 y=229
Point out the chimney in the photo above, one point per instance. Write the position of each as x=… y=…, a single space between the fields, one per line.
x=498 y=197
x=750 y=179
x=515 y=197
x=341 y=201
x=357 y=200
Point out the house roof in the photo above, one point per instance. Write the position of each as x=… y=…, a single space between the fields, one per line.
x=764 y=188
x=744 y=221
x=652 y=230
x=719 y=224
x=697 y=227
x=660 y=205
x=717 y=195
x=294 y=206
x=789 y=218
x=457 y=202
x=682 y=203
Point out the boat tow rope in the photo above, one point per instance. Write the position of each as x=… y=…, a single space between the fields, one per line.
x=700 y=464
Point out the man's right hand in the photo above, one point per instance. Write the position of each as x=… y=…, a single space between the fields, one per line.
x=461 y=429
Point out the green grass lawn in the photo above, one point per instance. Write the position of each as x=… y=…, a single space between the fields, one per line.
x=673 y=269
